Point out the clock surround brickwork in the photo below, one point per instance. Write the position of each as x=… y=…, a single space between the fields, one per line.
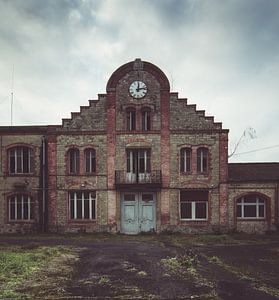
x=101 y=125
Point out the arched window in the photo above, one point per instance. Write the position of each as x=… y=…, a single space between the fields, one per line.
x=202 y=160
x=251 y=206
x=21 y=208
x=21 y=160
x=73 y=156
x=131 y=119
x=90 y=160
x=185 y=160
x=146 y=119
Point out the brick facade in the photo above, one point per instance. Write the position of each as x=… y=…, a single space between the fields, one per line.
x=64 y=201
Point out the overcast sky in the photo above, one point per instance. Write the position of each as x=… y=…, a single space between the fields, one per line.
x=223 y=55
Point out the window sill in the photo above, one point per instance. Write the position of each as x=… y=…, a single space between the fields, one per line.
x=21 y=221
x=202 y=222
x=21 y=175
x=76 y=221
x=251 y=219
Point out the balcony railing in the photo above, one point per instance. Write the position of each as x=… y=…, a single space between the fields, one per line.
x=124 y=178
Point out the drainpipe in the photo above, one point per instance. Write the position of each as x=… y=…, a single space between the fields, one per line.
x=44 y=185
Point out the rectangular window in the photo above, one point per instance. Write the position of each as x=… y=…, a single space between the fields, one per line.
x=138 y=161
x=82 y=205
x=194 y=205
x=21 y=208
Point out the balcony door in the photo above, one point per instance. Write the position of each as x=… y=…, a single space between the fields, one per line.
x=138 y=165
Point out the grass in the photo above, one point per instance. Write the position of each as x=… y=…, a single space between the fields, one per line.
x=19 y=264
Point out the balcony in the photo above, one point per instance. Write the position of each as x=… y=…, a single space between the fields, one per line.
x=137 y=180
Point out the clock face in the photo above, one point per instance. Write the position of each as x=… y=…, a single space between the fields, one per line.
x=138 y=89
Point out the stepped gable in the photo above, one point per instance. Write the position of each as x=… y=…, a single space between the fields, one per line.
x=185 y=116
x=90 y=118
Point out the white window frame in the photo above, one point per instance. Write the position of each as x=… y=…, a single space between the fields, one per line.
x=145 y=116
x=19 y=157
x=92 y=155
x=193 y=211
x=184 y=152
x=92 y=199
x=204 y=153
x=257 y=203
x=20 y=199
x=131 y=119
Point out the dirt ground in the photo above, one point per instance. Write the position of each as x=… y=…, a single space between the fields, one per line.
x=156 y=268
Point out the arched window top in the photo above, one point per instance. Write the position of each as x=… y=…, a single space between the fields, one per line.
x=251 y=206
x=90 y=160
x=202 y=159
x=185 y=160
x=146 y=108
x=73 y=160
x=21 y=160
x=130 y=108
x=252 y=198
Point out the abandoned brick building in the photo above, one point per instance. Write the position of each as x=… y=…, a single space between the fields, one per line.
x=137 y=159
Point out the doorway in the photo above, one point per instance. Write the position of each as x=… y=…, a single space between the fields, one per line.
x=138 y=212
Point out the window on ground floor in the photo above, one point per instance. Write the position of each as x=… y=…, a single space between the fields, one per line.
x=21 y=208
x=193 y=205
x=251 y=207
x=82 y=205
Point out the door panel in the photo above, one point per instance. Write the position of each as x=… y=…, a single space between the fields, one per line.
x=147 y=212
x=129 y=214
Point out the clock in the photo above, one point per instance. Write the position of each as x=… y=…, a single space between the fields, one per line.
x=138 y=89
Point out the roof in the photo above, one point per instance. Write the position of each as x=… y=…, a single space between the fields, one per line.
x=239 y=172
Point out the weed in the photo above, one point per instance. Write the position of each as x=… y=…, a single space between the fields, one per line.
x=19 y=264
x=104 y=280
x=142 y=274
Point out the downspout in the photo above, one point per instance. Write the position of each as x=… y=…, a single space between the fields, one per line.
x=277 y=206
x=44 y=185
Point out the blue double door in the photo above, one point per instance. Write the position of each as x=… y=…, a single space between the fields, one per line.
x=138 y=212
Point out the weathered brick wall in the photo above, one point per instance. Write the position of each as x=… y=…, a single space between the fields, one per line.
x=66 y=182
x=237 y=190
x=9 y=184
x=90 y=118
x=186 y=117
x=151 y=100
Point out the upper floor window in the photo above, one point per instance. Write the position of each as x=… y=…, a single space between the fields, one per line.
x=21 y=208
x=82 y=205
x=90 y=160
x=138 y=161
x=131 y=119
x=251 y=206
x=185 y=160
x=73 y=156
x=202 y=160
x=21 y=160
x=146 y=120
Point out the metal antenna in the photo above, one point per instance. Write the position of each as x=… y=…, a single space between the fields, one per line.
x=12 y=96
